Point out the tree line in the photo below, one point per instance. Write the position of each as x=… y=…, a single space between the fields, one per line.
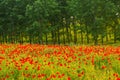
x=59 y=21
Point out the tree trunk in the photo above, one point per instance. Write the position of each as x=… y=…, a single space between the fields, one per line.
x=106 y=34
x=6 y=40
x=67 y=32
x=87 y=34
x=71 y=40
x=75 y=36
x=115 y=37
x=96 y=40
x=115 y=30
x=63 y=36
x=40 y=38
x=30 y=39
x=21 y=38
x=58 y=35
x=1 y=38
x=102 y=39
x=55 y=37
x=81 y=33
x=52 y=33
x=106 y=37
x=46 y=39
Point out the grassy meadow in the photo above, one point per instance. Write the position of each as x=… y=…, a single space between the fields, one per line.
x=57 y=62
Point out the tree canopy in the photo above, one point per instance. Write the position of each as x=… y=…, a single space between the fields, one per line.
x=59 y=21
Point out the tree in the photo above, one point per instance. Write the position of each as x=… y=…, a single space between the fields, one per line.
x=40 y=12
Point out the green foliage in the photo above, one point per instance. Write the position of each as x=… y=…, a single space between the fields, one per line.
x=62 y=20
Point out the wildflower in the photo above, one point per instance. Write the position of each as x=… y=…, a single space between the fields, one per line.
x=53 y=76
x=63 y=75
x=60 y=64
x=2 y=52
x=118 y=78
x=79 y=75
x=7 y=76
x=59 y=76
x=57 y=72
x=82 y=72
x=68 y=78
x=26 y=68
x=2 y=57
x=103 y=67
x=27 y=75
x=39 y=75
x=43 y=75
x=92 y=60
x=38 y=68
x=48 y=78
x=49 y=63
x=19 y=68
x=115 y=74
x=33 y=76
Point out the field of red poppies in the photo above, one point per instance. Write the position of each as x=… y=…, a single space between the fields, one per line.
x=54 y=62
